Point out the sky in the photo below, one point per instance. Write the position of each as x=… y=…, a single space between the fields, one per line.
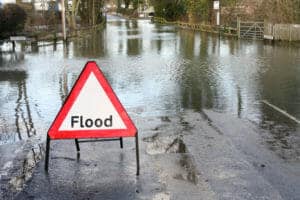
x=7 y=1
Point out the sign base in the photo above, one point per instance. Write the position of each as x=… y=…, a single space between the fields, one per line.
x=95 y=140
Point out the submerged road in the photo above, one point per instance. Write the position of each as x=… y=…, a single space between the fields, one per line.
x=198 y=103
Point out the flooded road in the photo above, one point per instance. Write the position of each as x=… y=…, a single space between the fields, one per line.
x=158 y=70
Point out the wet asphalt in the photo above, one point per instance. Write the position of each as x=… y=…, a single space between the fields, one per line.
x=196 y=100
x=189 y=156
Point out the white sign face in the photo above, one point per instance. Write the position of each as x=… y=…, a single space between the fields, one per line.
x=92 y=110
x=216 y=5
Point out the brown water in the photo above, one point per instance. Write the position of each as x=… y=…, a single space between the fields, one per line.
x=155 y=70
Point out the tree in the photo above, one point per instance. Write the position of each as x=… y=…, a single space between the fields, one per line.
x=12 y=20
x=136 y=3
x=279 y=11
x=119 y=2
x=90 y=11
x=127 y=2
x=74 y=13
x=198 y=10
x=170 y=9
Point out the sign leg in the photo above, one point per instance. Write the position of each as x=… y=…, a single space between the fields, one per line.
x=121 y=142
x=137 y=154
x=77 y=145
x=47 y=153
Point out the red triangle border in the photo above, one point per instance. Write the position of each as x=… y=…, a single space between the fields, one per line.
x=55 y=133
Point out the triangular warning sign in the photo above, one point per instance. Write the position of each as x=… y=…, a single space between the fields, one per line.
x=92 y=110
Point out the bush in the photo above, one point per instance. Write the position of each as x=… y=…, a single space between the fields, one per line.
x=12 y=20
x=169 y=9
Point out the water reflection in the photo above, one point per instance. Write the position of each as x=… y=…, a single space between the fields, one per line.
x=134 y=41
x=8 y=59
x=162 y=70
x=23 y=127
x=281 y=83
x=63 y=86
x=26 y=121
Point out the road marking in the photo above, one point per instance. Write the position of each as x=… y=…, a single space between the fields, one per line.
x=281 y=111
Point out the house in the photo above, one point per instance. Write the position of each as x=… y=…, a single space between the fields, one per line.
x=40 y=5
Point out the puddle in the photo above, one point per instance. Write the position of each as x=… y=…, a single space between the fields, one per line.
x=177 y=146
x=164 y=144
x=24 y=172
x=159 y=145
x=162 y=196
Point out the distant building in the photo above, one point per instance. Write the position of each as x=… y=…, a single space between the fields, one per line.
x=39 y=5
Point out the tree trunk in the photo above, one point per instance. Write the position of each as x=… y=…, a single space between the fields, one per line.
x=127 y=2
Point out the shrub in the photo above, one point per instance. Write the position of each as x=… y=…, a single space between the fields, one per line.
x=12 y=20
x=171 y=10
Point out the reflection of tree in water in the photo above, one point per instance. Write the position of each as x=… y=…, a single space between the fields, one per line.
x=187 y=42
x=134 y=45
x=65 y=81
x=23 y=113
x=11 y=59
x=195 y=87
x=131 y=24
x=281 y=82
x=159 y=44
x=117 y=23
x=158 y=41
x=280 y=86
x=23 y=119
x=63 y=86
x=92 y=45
x=23 y=116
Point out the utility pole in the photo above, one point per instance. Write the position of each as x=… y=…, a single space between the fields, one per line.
x=63 y=19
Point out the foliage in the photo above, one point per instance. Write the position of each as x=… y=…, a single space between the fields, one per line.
x=199 y=9
x=170 y=9
x=280 y=11
x=119 y=2
x=136 y=3
x=126 y=12
x=12 y=20
x=90 y=12
x=127 y=2
x=173 y=10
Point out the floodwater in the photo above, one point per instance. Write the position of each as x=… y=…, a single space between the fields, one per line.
x=156 y=70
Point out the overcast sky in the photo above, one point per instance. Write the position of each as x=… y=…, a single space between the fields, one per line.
x=7 y=1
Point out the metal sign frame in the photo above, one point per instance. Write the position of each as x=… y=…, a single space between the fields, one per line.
x=94 y=135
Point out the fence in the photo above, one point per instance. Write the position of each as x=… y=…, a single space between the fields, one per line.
x=289 y=32
x=246 y=29
x=250 y=29
x=201 y=27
